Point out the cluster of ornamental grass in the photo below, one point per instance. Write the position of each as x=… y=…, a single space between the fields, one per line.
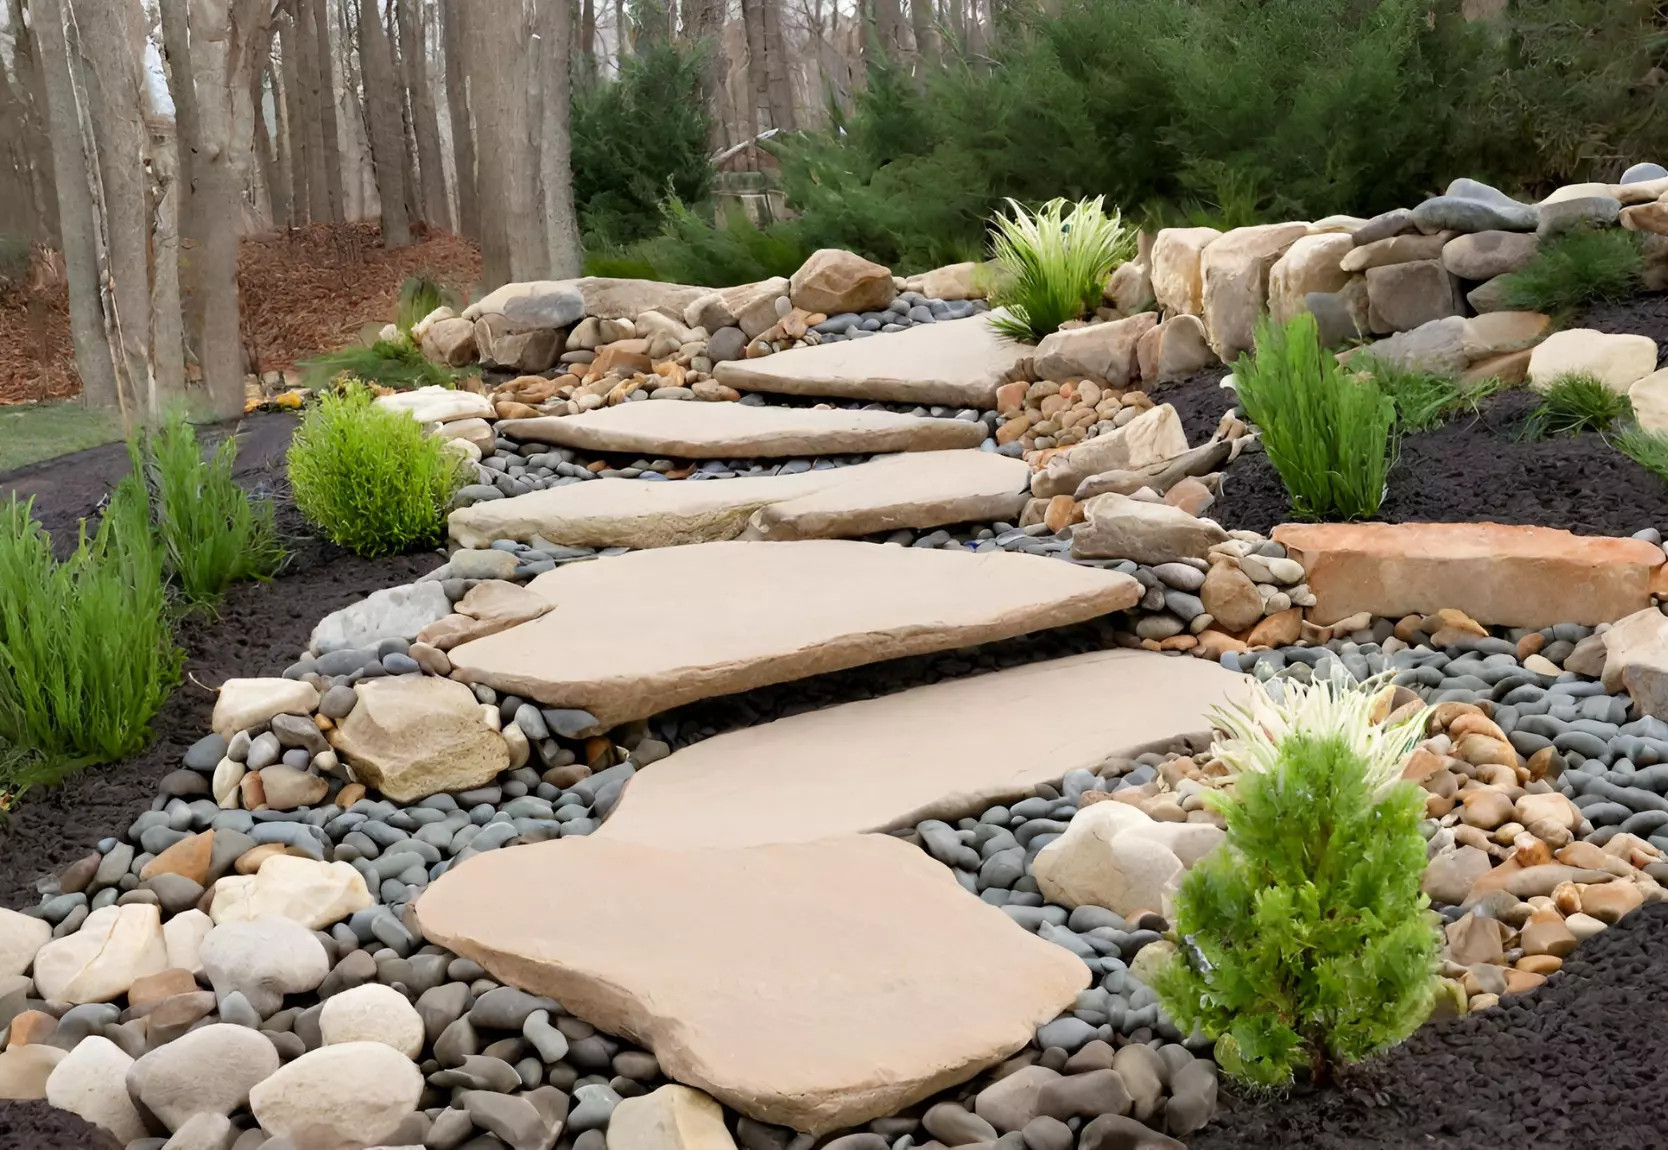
x=1053 y=263
x=1580 y=268
x=1426 y=400
x=1575 y=403
x=1306 y=942
x=1329 y=433
x=372 y=479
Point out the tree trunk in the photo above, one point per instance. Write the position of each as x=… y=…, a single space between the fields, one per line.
x=167 y=315
x=463 y=132
x=776 y=67
x=31 y=92
x=556 y=141
x=330 y=150
x=383 y=114
x=705 y=26
x=888 y=29
x=588 y=42
x=758 y=81
x=496 y=59
x=925 y=27
x=295 y=135
x=430 y=171
x=273 y=171
x=312 y=113
x=622 y=35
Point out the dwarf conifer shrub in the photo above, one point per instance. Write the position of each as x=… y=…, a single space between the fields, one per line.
x=1306 y=939
x=371 y=479
x=1054 y=263
x=1327 y=432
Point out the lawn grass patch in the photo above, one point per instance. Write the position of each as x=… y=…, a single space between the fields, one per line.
x=32 y=432
x=1576 y=403
x=1577 y=269
x=1054 y=263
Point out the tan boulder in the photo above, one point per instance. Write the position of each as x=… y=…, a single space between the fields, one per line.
x=502 y=343
x=1484 y=255
x=99 y=962
x=490 y=606
x=1618 y=361
x=1395 y=250
x=450 y=342
x=1231 y=597
x=1651 y=217
x=351 y=1093
x=1119 y=527
x=92 y=1084
x=955 y=282
x=1103 y=352
x=1116 y=856
x=476 y=432
x=189 y=857
x=244 y=703
x=1649 y=397
x=21 y=937
x=955 y=989
x=671 y=1118
x=414 y=736
x=1636 y=659
x=1312 y=264
x=1174 y=349
x=1175 y=269
x=1234 y=271
x=1154 y=436
x=754 y=304
x=436 y=404
x=1130 y=287
x=25 y=1069
x=1501 y=332
x=1497 y=574
x=1402 y=296
x=832 y=281
x=1510 y=368
x=314 y=894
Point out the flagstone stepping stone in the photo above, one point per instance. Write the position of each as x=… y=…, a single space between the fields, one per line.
x=918 y=489
x=734 y=430
x=647 y=631
x=959 y=362
x=812 y=985
x=891 y=762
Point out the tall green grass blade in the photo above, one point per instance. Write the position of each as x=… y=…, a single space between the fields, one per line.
x=1054 y=263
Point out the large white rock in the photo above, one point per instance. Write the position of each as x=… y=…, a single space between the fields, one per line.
x=1104 y=352
x=264 y=961
x=1234 y=270
x=314 y=894
x=671 y=1118
x=92 y=1083
x=210 y=1069
x=1154 y=436
x=394 y=612
x=752 y=613
x=20 y=937
x=243 y=703
x=1118 y=527
x=437 y=404
x=781 y=1002
x=356 y=1091
x=115 y=945
x=415 y=736
x=372 y=1012
x=183 y=934
x=1309 y=265
x=1175 y=268
x=1649 y=397
x=1618 y=361
x=1113 y=855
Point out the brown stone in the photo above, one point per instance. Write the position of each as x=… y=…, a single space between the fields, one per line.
x=492 y=605
x=1497 y=574
x=1280 y=629
x=1547 y=934
x=345 y=798
x=1474 y=938
x=450 y=342
x=152 y=988
x=1651 y=217
x=1190 y=495
x=189 y=857
x=31 y=1026
x=414 y=736
x=250 y=861
x=1234 y=272
x=1510 y=368
x=833 y=281
x=1485 y=807
x=1402 y=296
x=1104 y=352
x=252 y=792
x=1062 y=512
x=1231 y=597
x=1608 y=902
x=1541 y=964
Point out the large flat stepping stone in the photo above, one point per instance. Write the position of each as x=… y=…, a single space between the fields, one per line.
x=638 y=634
x=959 y=363
x=918 y=489
x=812 y=985
x=890 y=762
x=739 y=431
x=1499 y=575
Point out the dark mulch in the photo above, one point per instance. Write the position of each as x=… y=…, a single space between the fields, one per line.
x=1577 y=1063
x=37 y=1126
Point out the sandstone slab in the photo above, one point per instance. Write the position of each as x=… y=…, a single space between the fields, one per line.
x=1175 y=268
x=1118 y=527
x=784 y=1001
x=959 y=363
x=779 y=611
x=864 y=766
x=1497 y=574
x=415 y=736
x=1235 y=271
x=733 y=430
x=916 y=489
x=1618 y=361
x=243 y=703
x=1150 y=438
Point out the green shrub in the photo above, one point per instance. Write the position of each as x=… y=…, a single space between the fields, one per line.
x=399 y=364
x=1328 y=434
x=419 y=295
x=371 y=479
x=1649 y=449
x=1426 y=400
x=1579 y=268
x=1306 y=939
x=1054 y=263
x=693 y=250
x=212 y=533
x=86 y=647
x=1575 y=403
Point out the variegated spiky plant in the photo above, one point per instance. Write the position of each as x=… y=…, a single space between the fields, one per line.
x=1054 y=263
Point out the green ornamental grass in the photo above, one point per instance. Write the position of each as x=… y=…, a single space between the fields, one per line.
x=1054 y=264
x=1587 y=266
x=1306 y=941
x=1576 y=403
x=1426 y=400
x=372 y=479
x=1328 y=434
x=1649 y=449
x=399 y=364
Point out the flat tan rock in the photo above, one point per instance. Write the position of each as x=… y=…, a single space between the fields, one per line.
x=411 y=736
x=1618 y=361
x=732 y=430
x=1499 y=575
x=959 y=362
x=890 y=762
x=917 y=489
x=638 y=634
x=814 y=985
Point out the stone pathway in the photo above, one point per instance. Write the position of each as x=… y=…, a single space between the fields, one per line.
x=890 y=762
x=961 y=362
x=732 y=430
x=655 y=629
x=916 y=489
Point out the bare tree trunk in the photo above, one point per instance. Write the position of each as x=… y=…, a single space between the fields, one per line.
x=463 y=132
x=383 y=113
x=31 y=94
x=431 y=173
x=925 y=27
x=622 y=37
x=758 y=80
x=167 y=316
x=295 y=135
x=588 y=42
x=776 y=67
x=274 y=172
x=358 y=173
x=312 y=96
x=556 y=141
x=496 y=61
x=705 y=26
x=330 y=152
x=886 y=32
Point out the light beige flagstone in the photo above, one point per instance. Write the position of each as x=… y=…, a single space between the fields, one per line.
x=890 y=762
x=414 y=736
x=916 y=489
x=958 y=362
x=813 y=985
x=734 y=430
x=640 y=633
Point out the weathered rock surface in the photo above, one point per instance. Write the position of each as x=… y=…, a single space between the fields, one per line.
x=671 y=1118
x=1118 y=527
x=314 y=894
x=781 y=1004
x=243 y=703
x=1150 y=438
x=1312 y=264
x=264 y=961
x=209 y=1069
x=855 y=767
x=411 y=737
x=91 y=1082
x=732 y=430
x=1115 y=856
x=357 y=1091
x=1234 y=271
x=393 y=612
x=1618 y=361
x=787 y=611
x=1175 y=269
x=21 y=936
x=115 y=945
x=1104 y=352
x=1484 y=255
x=832 y=281
x=958 y=362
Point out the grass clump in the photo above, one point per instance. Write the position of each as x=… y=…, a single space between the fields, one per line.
x=1307 y=941
x=212 y=533
x=1649 y=449
x=1328 y=433
x=371 y=479
x=395 y=363
x=1054 y=263
x=86 y=645
x=1426 y=400
x=1589 y=266
x=1575 y=403
x=419 y=295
